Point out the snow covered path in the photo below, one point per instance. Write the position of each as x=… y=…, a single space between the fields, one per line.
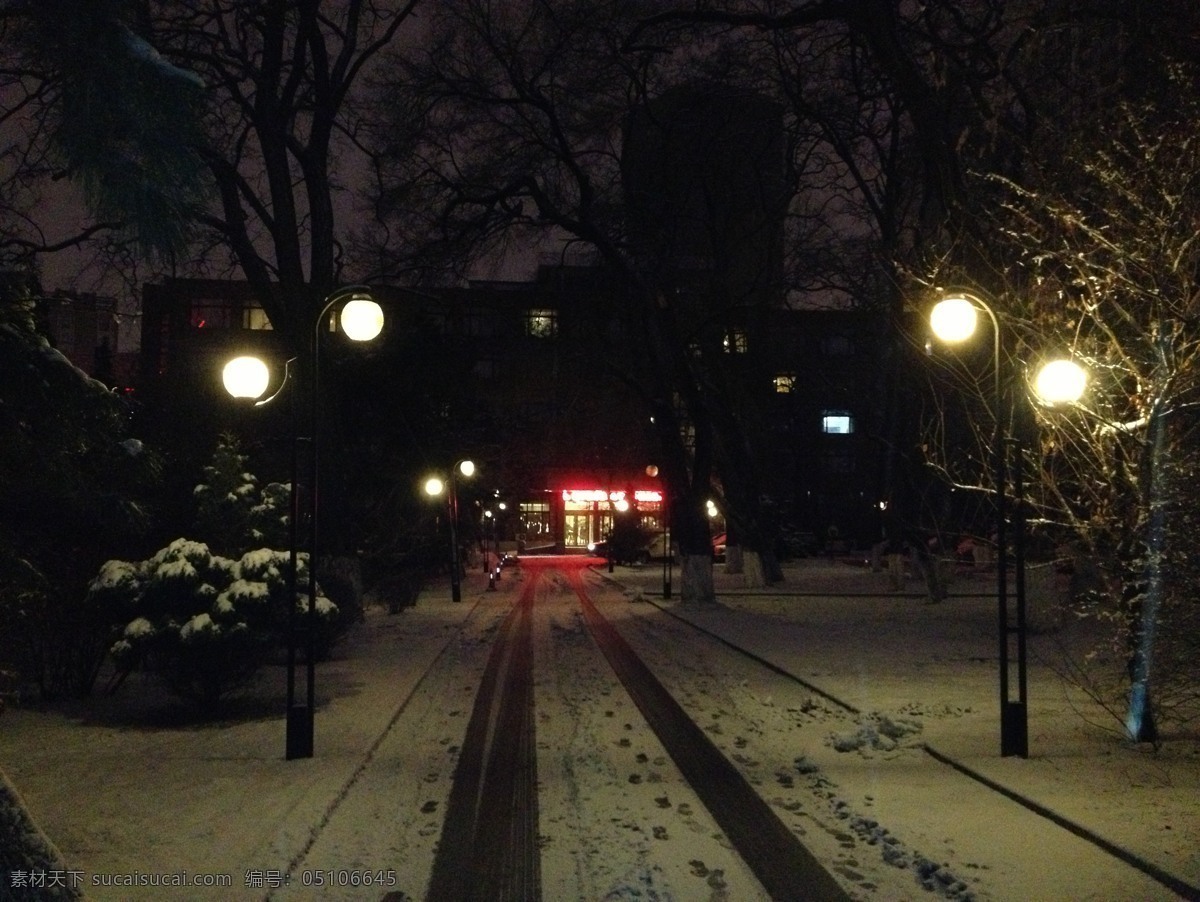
x=123 y=789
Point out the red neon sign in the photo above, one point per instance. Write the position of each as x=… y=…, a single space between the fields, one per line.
x=585 y=496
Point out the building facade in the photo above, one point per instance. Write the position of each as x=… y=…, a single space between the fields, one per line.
x=568 y=440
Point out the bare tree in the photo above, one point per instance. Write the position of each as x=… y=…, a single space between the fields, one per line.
x=525 y=114
x=271 y=127
x=1092 y=253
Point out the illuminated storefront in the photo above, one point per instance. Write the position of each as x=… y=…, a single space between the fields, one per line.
x=588 y=513
x=576 y=513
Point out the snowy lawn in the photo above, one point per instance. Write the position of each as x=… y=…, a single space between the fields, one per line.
x=125 y=790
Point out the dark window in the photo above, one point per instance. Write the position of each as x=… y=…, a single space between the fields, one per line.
x=836 y=346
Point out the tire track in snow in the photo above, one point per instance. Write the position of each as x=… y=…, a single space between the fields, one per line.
x=780 y=861
x=489 y=845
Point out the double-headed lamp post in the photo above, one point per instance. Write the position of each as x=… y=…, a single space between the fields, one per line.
x=360 y=319
x=954 y=319
x=435 y=486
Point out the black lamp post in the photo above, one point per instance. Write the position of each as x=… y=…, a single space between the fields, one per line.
x=953 y=319
x=1057 y=382
x=361 y=319
x=501 y=507
x=488 y=526
x=466 y=468
x=435 y=486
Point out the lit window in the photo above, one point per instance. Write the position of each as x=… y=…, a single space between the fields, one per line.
x=255 y=318
x=535 y=519
x=837 y=422
x=541 y=323
x=735 y=342
x=785 y=383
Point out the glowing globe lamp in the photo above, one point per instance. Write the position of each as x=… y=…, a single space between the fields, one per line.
x=1060 y=382
x=953 y=319
x=361 y=319
x=246 y=377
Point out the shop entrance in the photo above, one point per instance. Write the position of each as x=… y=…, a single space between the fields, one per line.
x=584 y=526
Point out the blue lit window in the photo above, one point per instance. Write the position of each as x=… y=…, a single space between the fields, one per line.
x=837 y=422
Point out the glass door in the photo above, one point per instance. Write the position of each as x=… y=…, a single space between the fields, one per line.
x=577 y=530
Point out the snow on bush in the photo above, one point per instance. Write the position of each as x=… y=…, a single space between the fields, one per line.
x=202 y=622
x=233 y=512
x=116 y=575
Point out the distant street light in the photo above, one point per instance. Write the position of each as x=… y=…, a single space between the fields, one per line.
x=361 y=319
x=652 y=471
x=435 y=486
x=489 y=525
x=501 y=507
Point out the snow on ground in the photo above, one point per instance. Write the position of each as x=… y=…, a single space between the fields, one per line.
x=127 y=792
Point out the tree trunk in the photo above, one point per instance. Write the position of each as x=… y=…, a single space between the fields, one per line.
x=1143 y=589
x=696 y=580
x=753 y=573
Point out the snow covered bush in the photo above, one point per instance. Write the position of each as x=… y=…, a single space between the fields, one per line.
x=203 y=623
x=232 y=512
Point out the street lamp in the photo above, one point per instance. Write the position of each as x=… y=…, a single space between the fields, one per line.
x=652 y=472
x=246 y=377
x=954 y=319
x=489 y=525
x=435 y=486
x=501 y=507
x=361 y=319
x=1059 y=381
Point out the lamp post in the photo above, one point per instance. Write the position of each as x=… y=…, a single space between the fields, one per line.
x=435 y=486
x=954 y=319
x=466 y=468
x=652 y=472
x=667 y=558
x=501 y=507
x=1060 y=381
x=361 y=319
x=488 y=525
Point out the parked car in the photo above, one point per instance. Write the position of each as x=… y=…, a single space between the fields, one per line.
x=718 y=547
x=655 y=549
